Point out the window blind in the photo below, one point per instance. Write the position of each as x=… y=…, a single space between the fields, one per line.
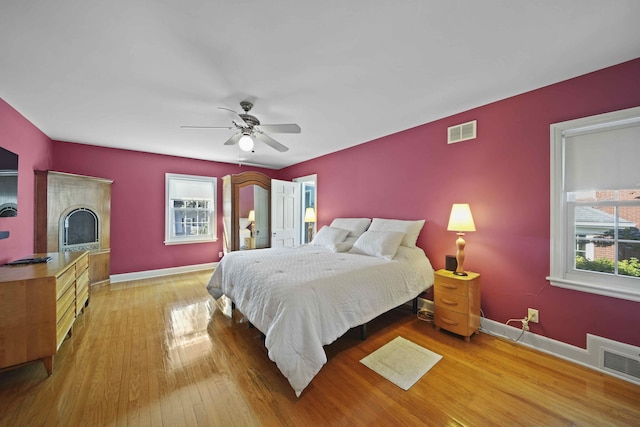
x=186 y=189
x=603 y=157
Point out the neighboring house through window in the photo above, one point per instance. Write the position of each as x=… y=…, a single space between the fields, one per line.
x=190 y=209
x=595 y=204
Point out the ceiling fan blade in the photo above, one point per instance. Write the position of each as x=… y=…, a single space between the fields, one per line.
x=207 y=127
x=271 y=142
x=282 y=128
x=236 y=117
x=234 y=139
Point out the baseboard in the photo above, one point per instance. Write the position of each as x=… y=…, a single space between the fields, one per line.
x=591 y=357
x=148 y=274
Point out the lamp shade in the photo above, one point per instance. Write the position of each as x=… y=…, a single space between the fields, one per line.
x=309 y=215
x=252 y=216
x=461 y=219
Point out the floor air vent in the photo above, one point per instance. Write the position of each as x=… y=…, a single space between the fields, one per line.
x=462 y=132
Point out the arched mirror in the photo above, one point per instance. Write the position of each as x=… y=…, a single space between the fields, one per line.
x=247 y=201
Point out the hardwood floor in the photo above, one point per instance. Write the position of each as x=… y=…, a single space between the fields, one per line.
x=150 y=353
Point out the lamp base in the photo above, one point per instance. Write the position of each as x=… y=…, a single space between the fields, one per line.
x=460 y=274
x=310 y=233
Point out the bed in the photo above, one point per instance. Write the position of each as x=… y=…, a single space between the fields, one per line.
x=306 y=297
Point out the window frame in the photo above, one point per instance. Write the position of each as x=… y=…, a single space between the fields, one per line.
x=169 y=239
x=562 y=249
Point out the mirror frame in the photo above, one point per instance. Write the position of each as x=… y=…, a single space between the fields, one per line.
x=238 y=181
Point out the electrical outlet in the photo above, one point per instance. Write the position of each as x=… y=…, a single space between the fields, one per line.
x=220 y=254
x=532 y=315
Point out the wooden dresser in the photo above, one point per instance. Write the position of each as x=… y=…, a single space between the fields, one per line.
x=39 y=304
x=457 y=302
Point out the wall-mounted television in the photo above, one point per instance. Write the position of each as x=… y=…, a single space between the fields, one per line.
x=8 y=183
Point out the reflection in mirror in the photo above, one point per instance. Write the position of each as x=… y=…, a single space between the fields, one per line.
x=247 y=218
x=8 y=183
x=309 y=200
x=253 y=217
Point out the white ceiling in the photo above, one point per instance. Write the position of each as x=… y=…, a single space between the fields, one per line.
x=129 y=73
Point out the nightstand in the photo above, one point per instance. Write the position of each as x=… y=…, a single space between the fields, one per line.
x=249 y=243
x=457 y=302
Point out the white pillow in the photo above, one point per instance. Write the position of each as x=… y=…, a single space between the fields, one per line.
x=383 y=244
x=343 y=246
x=328 y=236
x=356 y=226
x=411 y=229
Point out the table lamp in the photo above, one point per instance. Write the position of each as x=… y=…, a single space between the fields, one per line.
x=310 y=217
x=460 y=221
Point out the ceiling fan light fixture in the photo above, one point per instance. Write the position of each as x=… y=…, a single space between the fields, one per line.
x=246 y=143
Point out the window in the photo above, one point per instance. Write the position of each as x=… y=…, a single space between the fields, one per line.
x=191 y=213
x=595 y=204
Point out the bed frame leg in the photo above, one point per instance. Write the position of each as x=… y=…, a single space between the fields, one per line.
x=415 y=305
x=363 y=331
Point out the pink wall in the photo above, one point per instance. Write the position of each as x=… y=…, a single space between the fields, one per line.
x=33 y=147
x=137 y=202
x=504 y=176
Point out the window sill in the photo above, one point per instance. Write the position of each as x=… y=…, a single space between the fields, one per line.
x=185 y=242
x=595 y=288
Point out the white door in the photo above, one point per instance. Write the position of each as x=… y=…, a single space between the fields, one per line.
x=285 y=213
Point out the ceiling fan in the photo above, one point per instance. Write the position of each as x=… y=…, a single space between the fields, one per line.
x=250 y=129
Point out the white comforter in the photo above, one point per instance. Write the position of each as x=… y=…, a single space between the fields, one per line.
x=306 y=297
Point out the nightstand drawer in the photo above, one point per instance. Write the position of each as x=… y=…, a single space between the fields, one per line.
x=451 y=286
x=452 y=301
x=457 y=323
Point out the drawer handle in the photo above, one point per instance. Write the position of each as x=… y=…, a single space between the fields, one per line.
x=449 y=286
x=448 y=301
x=449 y=322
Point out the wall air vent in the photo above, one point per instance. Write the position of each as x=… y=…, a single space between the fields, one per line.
x=462 y=132
x=621 y=364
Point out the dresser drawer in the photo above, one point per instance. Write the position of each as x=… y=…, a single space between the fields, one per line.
x=65 y=280
x=64 y=324
x=83 y=280
x=64 y=302
x=81 y=299
x=449 y=285
x=452 y=301
x=82 y=264
x=457 y=323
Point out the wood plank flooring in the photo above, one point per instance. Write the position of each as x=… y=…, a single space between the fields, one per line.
x=150 y=353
